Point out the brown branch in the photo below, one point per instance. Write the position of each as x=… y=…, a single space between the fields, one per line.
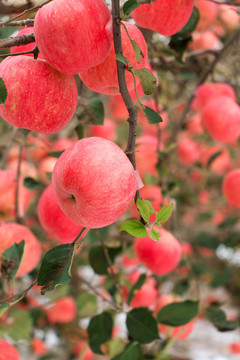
x=23 y=23
x=25 y=9
x=17 y=41
x=34 y=51
x=18 y=217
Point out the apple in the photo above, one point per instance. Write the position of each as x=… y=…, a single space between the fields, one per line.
x=229 y=16
x=11 y=233
x=204 y=40
x=8 y=195
x=221 y=164
x=147 y=155
x=107 y=130
x=53 y=220
x=82 y=351
x=74 y=35
x=103 y=77
x=146 y=295
x=45 y=169
x=38 y=346
x=162 y=256
x=8 y=351
x=166 y=17
x=61 y=311
x=39 y=98
x=24 y=48
x=208 y=13
x=230 y=187
x=194 y=124
x=221 y=119
x=94 y=182
x=188 y=152
x=207 y=92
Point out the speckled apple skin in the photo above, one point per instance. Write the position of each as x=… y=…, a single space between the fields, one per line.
x=100 y=177
x=11 y=233
x=231 y=186
x=166 y=17
x=103 y=78
x=53 y=220
x=221 y=119
x=74 y=35
x=39 y=98
x=162 y=256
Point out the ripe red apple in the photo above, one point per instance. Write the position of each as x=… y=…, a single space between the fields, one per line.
x=103 y=77
x=39 y=98
x=8 y=195
x=11 y=233
x=160 y=257
x=188 y=152
x=81 y=350
x=74 y=35
x=229 y=16
x=8 y=351
x=208 y=13
x=204 y=40
x=146 y=154
x=61 y=311
x=221 y=118
x=24 y=48
x=147 y=295
x=207 y=92
x=221 y=164
x=53 y=220
x=194 y=124
x=94 y=182
x=38 y=346
x=230 y=188
x=107 y=130
x=163 y=16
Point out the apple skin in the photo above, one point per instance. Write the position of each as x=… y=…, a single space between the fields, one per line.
x=24 y=48
x=166 y=17
x=38 y=346
x=53 y=220
x=162 y=256
x=221 y=164
x=188 y=152
x=94 y=182
x=103 y=78
x=39 y=98
x=8 y=351
x=204 y=40
x=208 y=13
x=11 y=233
x=230 y=188
x=62 y=311
x=74 y=35
x=221 y=119
x=107 y=130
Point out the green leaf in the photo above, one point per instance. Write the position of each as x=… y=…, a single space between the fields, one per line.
x=31 y=184
x=14 y=300
x=218 y=318
x=56 y=154
x=86 y=304
x=80 y=131
x=164 y=214
x=207 y=240
x=149 y=205
x=11 y=259
x=100 y=331
x=20 y=327
x=55 y=268
x=213 y=157
x=147 y=80
x=3 y=92
x=178 y=313
x=142 y=326
x=98 y=259
x=143 y=209
x=129 y=6
x=132 y=351
x=134 y=227
x=152 y=116
x=96 y=105
x=4 y=308
x=154 y=234
x=139 y=283
x=115 y=346
x=137 y=50
x=122 y=59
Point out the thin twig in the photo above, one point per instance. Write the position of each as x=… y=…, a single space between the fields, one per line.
x=17 y=41
x=20 y=23
x=8 y=147
x=15 y=297
x=18 y=217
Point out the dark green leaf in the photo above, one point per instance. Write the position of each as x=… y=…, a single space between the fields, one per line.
x=143 y=209
x=86 y=304
x=132 y=351
x=152 y=116
x=154 y=234
x=149 y=205
x=96 y=105
x=142 y=326
x=135 y=228
x=207 y=240
x=122 y=59
x=229 y=222
x=139 y=283
x=178 y=313
x=218 y=318
x=100 y=331
x=129 y=6
x=137 y=50
x=31 y=184
x=164 y=214
x=213 y=157
x=98 y=259
x=55 y=268
x=3 y=92
x=11 y=259
x=13 y=301
x=147 y=80
x=80 y=131
x=56 y=154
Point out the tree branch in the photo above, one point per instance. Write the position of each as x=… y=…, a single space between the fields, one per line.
x=8 y=7
x=23 y=23
x=17 y=41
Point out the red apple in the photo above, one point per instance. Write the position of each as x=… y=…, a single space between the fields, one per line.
x=166 y=17
x=94 y=182
x=62 y=310
x=107 y=130
x=221 y=118
x=230 y=188
x=194 y=124
x=74 y=35
x=103 y=78
x=221 y=164
x=204 y=40
x=53 y=220
x=160 y=257
x=11 y=233
x=208 y=13
x=39 y=98
x=39 y=348
x=188 y=152
x=8 y=351
x=81 y=350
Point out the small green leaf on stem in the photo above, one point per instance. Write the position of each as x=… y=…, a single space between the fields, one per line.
x=147 y=80
x=31 y=184
x=97 y=107
x=56 y=154
x=135 y=228
x=178 y=313
x=11 y=259
x=129 y=6
x=122 y=59
x=137 y=50
x=164 y=214
x=143 y=209
x=100 y=331
x=152 y=116
x=3 y=92
x=154 y=234
x=218 y=318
